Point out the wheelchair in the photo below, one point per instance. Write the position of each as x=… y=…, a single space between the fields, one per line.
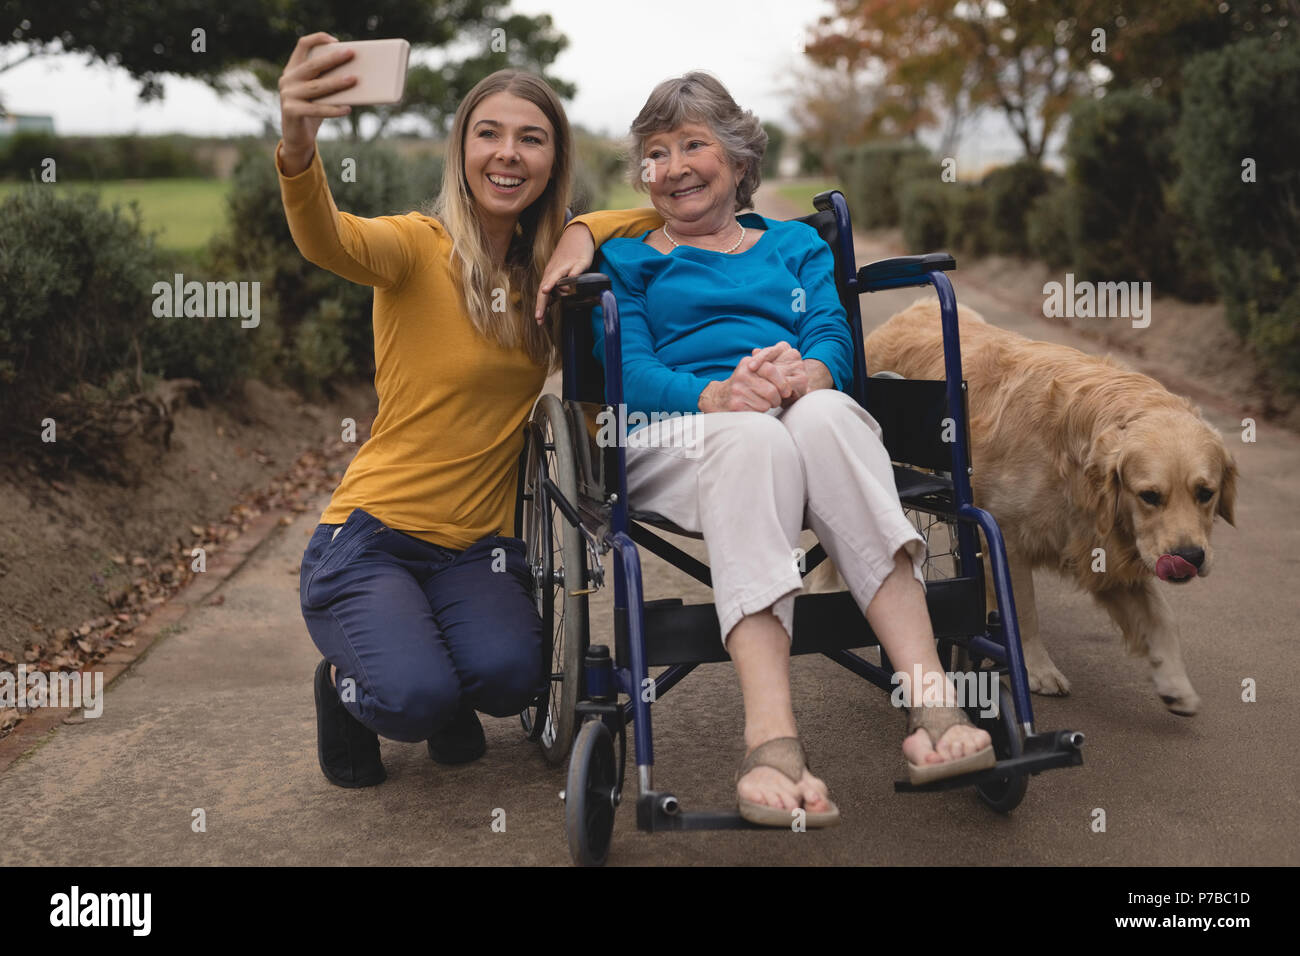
x=572 y=508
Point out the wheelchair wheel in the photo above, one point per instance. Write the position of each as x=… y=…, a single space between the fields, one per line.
x=589 y=795
x=558 y=560
x=942 y=559
x=1005 y=793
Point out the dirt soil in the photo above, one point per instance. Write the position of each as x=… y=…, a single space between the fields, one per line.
x=83 y=560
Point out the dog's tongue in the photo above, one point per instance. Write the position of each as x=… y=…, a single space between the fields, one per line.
x=1172 y=566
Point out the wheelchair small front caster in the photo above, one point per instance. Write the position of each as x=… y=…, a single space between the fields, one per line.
x=1005 y=793
x=591 y=795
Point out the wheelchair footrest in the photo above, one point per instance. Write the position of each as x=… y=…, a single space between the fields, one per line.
x=657 y=812
x=1045 y=751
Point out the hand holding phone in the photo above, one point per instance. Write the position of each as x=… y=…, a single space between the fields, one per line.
x=378 y=65
x=322 y=78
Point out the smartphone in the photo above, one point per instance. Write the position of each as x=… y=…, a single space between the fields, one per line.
x=380 y=69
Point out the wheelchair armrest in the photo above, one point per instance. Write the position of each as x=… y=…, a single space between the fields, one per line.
x=581 y=288
x=903 y=270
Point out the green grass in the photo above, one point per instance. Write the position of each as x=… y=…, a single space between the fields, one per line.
x=802 y=193
x=188 y=211
x=623 y=196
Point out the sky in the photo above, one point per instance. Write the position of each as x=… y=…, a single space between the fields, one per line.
x=618 y=50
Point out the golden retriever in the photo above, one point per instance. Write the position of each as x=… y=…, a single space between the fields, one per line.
x=1091 y=469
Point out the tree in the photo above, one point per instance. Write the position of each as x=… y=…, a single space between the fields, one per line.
x=1030 y=59
x=1017 y=56
x=255 y=37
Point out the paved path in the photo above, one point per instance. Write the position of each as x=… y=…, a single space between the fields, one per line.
x=219 y=716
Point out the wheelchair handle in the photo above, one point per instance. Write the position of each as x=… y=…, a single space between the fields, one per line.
x=588 y=285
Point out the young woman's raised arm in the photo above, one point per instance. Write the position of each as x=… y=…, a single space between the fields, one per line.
x=372 y=252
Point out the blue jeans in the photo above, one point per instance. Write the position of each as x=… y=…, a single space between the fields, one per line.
x=422 y=630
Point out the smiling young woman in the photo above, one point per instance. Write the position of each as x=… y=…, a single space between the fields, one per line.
x=412 y=587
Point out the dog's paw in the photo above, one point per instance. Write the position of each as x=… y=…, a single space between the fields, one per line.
x=1047 y=680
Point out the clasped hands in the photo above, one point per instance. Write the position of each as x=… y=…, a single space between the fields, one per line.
x=772 y=377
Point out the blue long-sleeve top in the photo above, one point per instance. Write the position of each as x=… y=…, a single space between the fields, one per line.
x=689 y=316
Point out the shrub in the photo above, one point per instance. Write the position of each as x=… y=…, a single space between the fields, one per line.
x=968 y=223
x=1011 y=191
x=257 y=245
x=772 y=155
x=1120 y=167
x=1235 y=104
x=926 y=215
x=1047 y=234
x=78 y=338
x=98 y=158
x=599 y=164
x=871 y=177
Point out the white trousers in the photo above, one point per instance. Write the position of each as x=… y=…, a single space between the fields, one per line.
x=751 y=481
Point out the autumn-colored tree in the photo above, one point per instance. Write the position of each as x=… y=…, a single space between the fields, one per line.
x=1030 y=59
x=1020 y=57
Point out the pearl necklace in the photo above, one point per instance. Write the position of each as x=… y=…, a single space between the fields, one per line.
x=677 y=244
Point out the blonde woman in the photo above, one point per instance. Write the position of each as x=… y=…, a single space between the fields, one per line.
x=412 y=588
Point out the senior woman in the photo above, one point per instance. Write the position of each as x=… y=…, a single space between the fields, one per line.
x=737 y=319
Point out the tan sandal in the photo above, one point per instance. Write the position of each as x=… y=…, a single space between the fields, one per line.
x=786 y=756
x=936 y=721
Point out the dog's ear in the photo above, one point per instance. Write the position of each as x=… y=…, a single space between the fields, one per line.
x=1103 y=479
x=1228 y=489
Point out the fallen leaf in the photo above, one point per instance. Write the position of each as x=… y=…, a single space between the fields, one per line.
x=219 y=599
x=119 y=559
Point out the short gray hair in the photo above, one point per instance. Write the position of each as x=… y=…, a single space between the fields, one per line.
x=699 y=97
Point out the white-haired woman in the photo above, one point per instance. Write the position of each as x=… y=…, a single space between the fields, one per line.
x=737 y=319
x=401 y=584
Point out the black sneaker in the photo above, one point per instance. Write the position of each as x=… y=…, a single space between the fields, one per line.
x=348 y=750
x=460 y=741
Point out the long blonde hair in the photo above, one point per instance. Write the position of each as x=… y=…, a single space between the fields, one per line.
x=536 y=234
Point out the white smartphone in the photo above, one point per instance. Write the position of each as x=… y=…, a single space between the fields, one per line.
x=380 y=69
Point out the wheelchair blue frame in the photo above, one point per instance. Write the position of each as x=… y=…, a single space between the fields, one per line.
x=999 y=642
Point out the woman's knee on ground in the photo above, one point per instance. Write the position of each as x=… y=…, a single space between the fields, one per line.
x=504 y=684
x=412 y=705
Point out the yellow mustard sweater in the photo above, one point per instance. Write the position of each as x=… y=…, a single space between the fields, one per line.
x=441 y=462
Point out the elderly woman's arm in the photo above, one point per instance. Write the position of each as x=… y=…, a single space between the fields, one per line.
x=648 y=384
x=825 y=345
